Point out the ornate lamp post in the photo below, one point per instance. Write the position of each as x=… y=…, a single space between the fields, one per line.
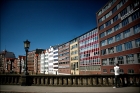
x=25 y=81
x=26 y=46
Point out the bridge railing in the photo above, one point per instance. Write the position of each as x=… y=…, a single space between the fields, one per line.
x=72 y=80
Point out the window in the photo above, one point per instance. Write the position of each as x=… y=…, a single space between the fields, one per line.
x=104 y=61
x=103 y=52
x=130 y=58
x=120 y=60
x=102 y=35
x=125 y=22
x=136 y=15
x=118 y=37
x=108 y=23
x=109 y=31
x=116 y=27
x=100 y=12
x=110 y=40
x=111 y=61
x=100 y=20
x=101 y=27
x=111 y=70
x=103 y=18
x=120 y=5
x=138 y=55
x=108 y=14
x=130 y=71
x=104 y=71
x=135 y=4
x=119 y=48
x=128 y=45
x=123 y=12
x=121 y=71
x=115 y=18
x=114 y=9
x=126 y=33
x=137 y=42
x=111 y=50
x=136 y=28
x=103 y=43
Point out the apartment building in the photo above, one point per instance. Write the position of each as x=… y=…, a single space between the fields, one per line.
x=37 y=60
x=7 y=61
x=64 y=67
x=74 y=56
x=49 y=61
x=55 y=59
x=19 y=64
x=30 y=62
x=118 y=25
x=43 y=63
x=89 y=53
x=50 y=56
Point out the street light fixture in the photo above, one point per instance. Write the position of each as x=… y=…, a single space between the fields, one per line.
x=26 y=46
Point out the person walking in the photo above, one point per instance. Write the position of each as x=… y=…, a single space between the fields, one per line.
x=117 y=75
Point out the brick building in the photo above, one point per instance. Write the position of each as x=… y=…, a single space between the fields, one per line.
x=64 y=67
x=7 y=61
x=119 y=36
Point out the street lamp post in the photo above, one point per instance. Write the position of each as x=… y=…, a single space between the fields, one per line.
x=26 y=46
x=24 y=78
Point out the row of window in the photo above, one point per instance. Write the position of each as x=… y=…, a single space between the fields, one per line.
x=122 y=2
x=119 y=48
x=94 y=46
x=85 y=68
x=74 y=52
x=87 y=55
x=64 y=45
x=106 y=7
x=129 y=60
x=94 y=39
x=74 y=46
x=65 y=58
x=89 y=34
x=64 y=49
x=112 y=11
x=134 y=16
x=74 y=58
x=64 y=54
x=73 y=41
x=120 y=36
x=86 y=62
x=130 y=71
x=64 y=62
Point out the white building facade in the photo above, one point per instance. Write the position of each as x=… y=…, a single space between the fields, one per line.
x=55 y=60
x=49 y=61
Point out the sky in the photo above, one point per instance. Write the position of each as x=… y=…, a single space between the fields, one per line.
x=45 y=23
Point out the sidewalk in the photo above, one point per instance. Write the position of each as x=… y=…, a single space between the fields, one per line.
x=47 y=89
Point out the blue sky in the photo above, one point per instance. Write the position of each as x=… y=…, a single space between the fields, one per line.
x=45 y=22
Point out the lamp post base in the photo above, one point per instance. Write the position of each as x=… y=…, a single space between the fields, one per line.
x=26 y=80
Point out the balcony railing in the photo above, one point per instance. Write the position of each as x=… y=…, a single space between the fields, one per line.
x=72 y=80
